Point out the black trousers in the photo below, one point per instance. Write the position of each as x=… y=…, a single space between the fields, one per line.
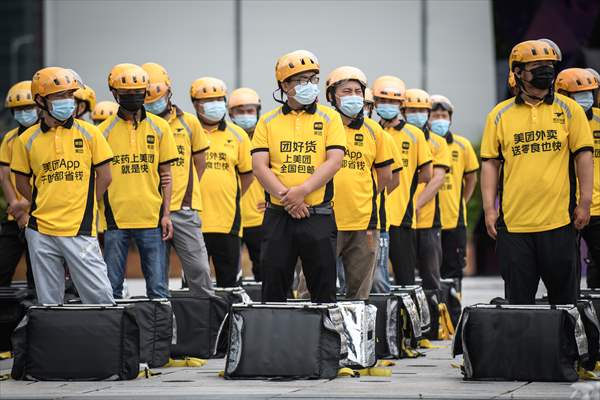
x=311 y=239
x=252 y=239
x=591 y=235
x=526 y=257
x=224 y=249
x=454 y=252
x=403 y=254
x=12 y=247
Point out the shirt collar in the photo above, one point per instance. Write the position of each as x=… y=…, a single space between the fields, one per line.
x=400 y=125
x=22 y=128
x=174 y=113
x=311 y=108
x=356 y=123
x=68 y=124
x=121 y=114
x=590 y=113
x=449 y=137
x=548 y=99
x=426 y=132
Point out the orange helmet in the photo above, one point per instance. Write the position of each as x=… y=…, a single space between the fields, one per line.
x=87 y=95
x=417 y=98
x=160 y=82
x=51 y=80
x=389 y=87
x=575 y=80
x=19 y=95
x=104 y=109
x=128 y=76
x=294 y=63
x=530 y=51
x=369 y=96
x=207 y=88
x=243 y=97
x=345 y=74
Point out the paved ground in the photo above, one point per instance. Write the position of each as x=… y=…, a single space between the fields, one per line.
x=424 y=378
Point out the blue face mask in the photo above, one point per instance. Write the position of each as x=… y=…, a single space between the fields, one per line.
x=157 y=107
x=62 y=109
x=440 y=126
x=26 y=117
x=417 y=119
x=245 y=121
x=387 y=111
x=214 y=110
x=584 y=99
x=306 y=94
x=351 y=105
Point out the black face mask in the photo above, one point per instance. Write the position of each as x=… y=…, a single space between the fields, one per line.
x=543 y=76
x=132 y=102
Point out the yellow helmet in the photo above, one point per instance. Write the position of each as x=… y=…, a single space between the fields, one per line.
x=88 y=95
x=127 y=76
x=530 y=51
x=417 y=98
x=441 y=101
x=104 y=109
x=207 y=88
x=243 y=97
x=160 y=82
x=554 y=46
x=595 y=73
x=345 y=74
x=389 y=87
x=575 y=80
x=369 y=96
x=51 y=80
x=19 y=95
x=294 y=63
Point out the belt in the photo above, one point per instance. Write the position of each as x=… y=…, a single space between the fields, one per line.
x=321 y=209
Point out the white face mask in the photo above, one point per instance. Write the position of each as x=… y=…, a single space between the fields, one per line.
x=584 y=99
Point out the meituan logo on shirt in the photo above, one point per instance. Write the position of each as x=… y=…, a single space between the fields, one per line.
x=150 y=139
x=559 y=117
x=78 y=144
x=318 y=128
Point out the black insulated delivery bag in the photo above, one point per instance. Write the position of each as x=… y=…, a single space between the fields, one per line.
x=11 y=312
x=76 y=343
x=280 y=340
x=196 y=325
x=419 y=297
x=253 y=289
x=521 y=342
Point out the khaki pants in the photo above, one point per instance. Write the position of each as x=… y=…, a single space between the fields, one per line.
x=358 y=250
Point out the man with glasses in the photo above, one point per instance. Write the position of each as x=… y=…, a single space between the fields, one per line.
x=297 y=149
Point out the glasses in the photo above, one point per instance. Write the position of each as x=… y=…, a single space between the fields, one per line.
x=304 y=80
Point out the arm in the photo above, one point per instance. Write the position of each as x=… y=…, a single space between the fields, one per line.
x=166 y=224
x=200 y=164
x=425 y=173
x=14 y=206
x=470 y=183
x=23 y=186
x=384 y=177
x=432 y=187
x=103 y=179
x=490 y=171
x=584 y=164
x=266 y=177
x=394 y=182
x=246 y=181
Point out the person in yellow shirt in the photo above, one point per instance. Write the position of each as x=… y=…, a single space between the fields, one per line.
x=456 y=191
x=366 y=171
x=103 y=110
x=534 y=145
x=62 y=168
x=297 y=149
x=228 y=175
x=186 y=174
x=136 y=206
x=244 y=110
x=582 y=86
x=389 y=93
x=12 y=242
x=85 y=101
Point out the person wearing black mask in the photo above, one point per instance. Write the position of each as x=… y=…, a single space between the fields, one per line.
x=534 y=147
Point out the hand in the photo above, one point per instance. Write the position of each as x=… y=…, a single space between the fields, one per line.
x=491 y=217
x=293 y=197
x=18 y=208
x=261 y=206
x=165 y=179
x=167 y=227
x=581 y=216
x=417 y=211
x=23 y=220
x=299 y=212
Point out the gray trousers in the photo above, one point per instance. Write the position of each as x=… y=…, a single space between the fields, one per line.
x=191 y=250
x=429 y=256
x=358 y=251
x=86 y=266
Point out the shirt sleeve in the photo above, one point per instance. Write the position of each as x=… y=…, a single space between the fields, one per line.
x=19 y=162
x=441 y=154
x=101 y=152
x=397 y=164
x=336 y=134
x=244 y=157
x=5 y=151
x=383 y=156
x=260 y=140
x=490 y=146
x=424 y=155
x=471 y=161
x=580 y=134
x=168 y=148
x=199 y=138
